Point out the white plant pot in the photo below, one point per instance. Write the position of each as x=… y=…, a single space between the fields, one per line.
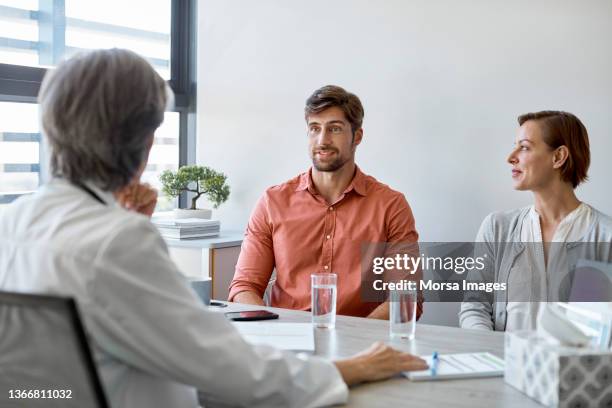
x=204 y=213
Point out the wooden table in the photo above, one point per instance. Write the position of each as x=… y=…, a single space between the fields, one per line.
x=353 y=334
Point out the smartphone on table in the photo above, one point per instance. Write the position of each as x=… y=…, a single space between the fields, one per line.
x=251 y=315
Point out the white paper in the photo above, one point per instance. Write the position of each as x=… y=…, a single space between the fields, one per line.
x=464 y=365
x=284 y=336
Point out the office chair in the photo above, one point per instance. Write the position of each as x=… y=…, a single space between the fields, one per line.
x=44 y=354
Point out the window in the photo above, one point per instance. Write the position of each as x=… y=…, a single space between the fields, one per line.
x=37 y=34
x=96 y=24
x=19 y=150
x=164 y=155
x=43 y=35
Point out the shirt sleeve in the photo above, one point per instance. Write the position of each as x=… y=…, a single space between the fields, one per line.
x=477 y=307
x=402 y=238
x=144 y=313
x=256 y=261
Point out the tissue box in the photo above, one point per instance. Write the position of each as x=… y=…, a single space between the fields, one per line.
x=558 y=376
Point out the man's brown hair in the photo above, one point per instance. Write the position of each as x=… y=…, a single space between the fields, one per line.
x=332 y=95
x=564 y=129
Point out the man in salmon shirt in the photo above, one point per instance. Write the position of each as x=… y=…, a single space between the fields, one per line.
x=318 y=221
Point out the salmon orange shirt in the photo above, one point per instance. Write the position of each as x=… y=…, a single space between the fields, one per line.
x=294 y=230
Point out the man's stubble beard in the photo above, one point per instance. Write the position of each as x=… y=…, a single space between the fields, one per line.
x=335 y=165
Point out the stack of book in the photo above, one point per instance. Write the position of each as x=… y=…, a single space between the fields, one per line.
x=187 y=228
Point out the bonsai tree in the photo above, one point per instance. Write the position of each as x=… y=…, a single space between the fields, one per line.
x=199 y=180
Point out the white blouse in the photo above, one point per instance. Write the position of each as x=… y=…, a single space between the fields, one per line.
x=530 y=273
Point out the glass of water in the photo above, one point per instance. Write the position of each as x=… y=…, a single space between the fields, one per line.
x=323 y=299
x=402 y=314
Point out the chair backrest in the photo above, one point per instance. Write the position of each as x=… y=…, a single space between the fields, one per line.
x=45 y=360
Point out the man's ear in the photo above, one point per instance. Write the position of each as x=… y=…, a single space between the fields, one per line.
x=357 y=136
x=560 y=156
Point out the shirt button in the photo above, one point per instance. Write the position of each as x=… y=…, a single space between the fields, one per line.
x=328 y=237
x=331 y=208
x=326 y=267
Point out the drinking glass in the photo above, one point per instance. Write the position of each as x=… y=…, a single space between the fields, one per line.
x=323 y=300
x=402 y=314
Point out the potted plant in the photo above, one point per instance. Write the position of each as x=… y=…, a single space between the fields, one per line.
x=200 y=180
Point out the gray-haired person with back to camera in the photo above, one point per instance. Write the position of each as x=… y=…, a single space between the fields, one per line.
x=87 y=234
x=534 y=249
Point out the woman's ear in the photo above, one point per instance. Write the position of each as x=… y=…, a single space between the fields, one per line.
x=560 y=156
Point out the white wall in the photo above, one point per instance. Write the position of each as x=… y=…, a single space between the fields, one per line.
x=442 y=83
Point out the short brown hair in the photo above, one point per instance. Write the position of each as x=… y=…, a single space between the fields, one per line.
x=564 y=129
x=332 y=95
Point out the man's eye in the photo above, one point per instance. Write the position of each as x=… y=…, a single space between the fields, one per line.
x=336 y=129
x=314 y=129
x=524 y=148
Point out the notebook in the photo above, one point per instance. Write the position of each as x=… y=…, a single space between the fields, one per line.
x=464 y=365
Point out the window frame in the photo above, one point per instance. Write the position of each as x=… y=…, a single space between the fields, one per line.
x=21 y=83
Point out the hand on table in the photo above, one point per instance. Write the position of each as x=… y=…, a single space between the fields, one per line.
x=378 y=362
x=249 y=298
x=138 y=197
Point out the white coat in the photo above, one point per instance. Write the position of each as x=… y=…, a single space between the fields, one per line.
x=153 y=341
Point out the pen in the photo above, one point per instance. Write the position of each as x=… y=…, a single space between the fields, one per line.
x=434 y=363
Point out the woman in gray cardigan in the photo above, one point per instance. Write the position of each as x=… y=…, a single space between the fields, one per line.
x=534 y=249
